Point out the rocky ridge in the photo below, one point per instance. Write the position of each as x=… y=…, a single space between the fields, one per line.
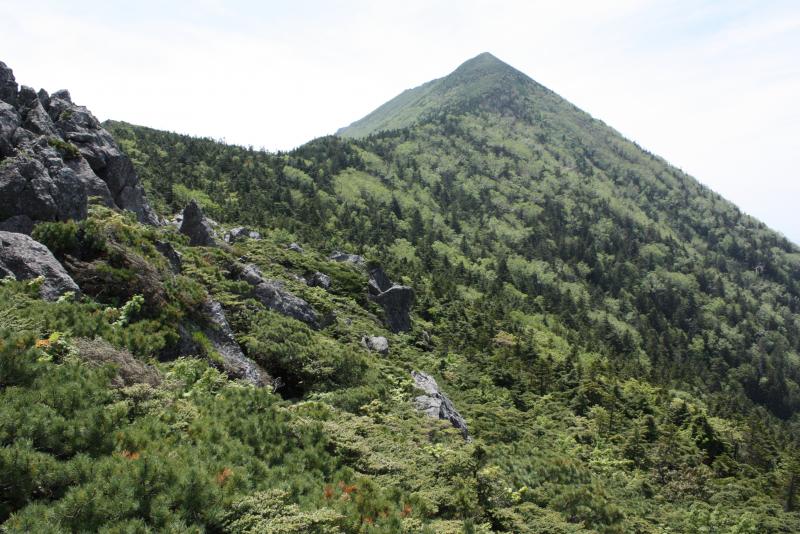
x=55 y=156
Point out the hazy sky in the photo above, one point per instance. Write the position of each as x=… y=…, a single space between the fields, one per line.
x=712 y=86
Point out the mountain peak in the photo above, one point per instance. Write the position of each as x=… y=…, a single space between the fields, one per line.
x=484 y=61
x=478 y=80
x=484 y=58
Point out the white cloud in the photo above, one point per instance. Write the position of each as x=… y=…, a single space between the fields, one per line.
x=711 y=86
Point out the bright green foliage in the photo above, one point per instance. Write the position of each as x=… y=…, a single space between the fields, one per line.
x=305 y=360
x=271 y=512
x=129 y=310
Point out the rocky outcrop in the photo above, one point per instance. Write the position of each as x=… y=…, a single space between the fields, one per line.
x=274 y=296
x=239 y=233
x=318 y=279
x=24 y=258
x=353 y=259
x=8 y=85
x=396 y=300
x=55 y=156
x=41 y=185
x=234 y=362
x=294 y=247
x=196 y=226
x=435 y=404
x=34 y=117
x=213 y=324
x=78 y=126
x=377 y=344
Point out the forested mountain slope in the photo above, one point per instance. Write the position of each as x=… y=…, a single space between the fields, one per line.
x=516 y=193
x=620 y=342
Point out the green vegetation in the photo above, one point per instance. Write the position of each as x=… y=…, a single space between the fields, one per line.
x=622 y=342
x=66 y=149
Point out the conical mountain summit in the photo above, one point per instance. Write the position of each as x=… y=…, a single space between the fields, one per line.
x=481 y=81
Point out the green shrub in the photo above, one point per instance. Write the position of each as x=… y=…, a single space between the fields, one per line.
x=66 y=149
x=60 y=237
x=272 y=512
x=304 y=359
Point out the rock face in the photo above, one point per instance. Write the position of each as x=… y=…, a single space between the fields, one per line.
x=9 y=122
x=377 y=344
x=396 y=300
x=8 y=85
x=295 y=247
x=435 y=403
x=343 y=257
x=234 y=362
x=196 y=226
x=24 y=258
x=274 y=296
x=55 y=156
x=239 y=233
x=20 y=224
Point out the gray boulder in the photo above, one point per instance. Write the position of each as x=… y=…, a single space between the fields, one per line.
x=295 y=247
x=436 y=404
x=27 y=189
x=195 y=225
x=251 y=274
x=274 y=296
x=234 y=362
x=396 y=300
x=377 y=344
x=24 y=258
x=318 y=279
x=44 y=187
x=353 y=259
x=239 y=233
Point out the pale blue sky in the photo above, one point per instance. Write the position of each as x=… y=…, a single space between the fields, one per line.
x=712 y=86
